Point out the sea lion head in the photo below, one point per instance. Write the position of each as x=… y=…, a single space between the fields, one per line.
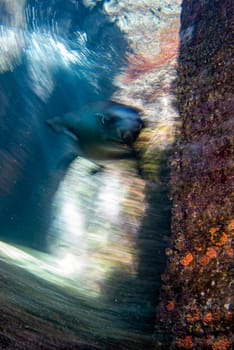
x=102 y=131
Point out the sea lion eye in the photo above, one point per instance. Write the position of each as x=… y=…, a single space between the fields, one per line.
x=101 y=117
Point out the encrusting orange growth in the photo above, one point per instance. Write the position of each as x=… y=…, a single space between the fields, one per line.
x=211 y=253
x=185 y=343
x=217 y=237
x=208 y=317
x=213 y=230
x=170 y=306
x=221 y=344
x=229 y=252
x=231 y=225
x=198 y=248
x=223 y=239
x=187 y=259
x=193 y=316
x=204 y=260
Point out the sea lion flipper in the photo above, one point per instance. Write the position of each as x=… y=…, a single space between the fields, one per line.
x=57 y=124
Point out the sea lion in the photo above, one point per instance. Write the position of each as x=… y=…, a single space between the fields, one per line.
x=102 y=131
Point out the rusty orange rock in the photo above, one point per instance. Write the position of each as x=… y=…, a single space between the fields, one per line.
x=221 y=344
x=188 y=258
x=211 y=253
x=185 y=343
x=204 y=260
x=223 y=239
x=213 y=230
x=193 y=316
x=218 y=237
x=170 y=306
x=207 y=317
x=231 y=225
x=229 y=251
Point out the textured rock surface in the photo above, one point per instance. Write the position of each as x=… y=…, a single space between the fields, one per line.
x=196 y=307
x=56 y=315
x=151 y=28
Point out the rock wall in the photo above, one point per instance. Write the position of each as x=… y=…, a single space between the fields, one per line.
x=195 y=310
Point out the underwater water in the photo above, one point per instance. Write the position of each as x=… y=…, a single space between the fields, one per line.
x=80 y=263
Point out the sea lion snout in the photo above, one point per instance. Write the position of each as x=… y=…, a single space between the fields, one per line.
x=128 y=122
x=129 y=137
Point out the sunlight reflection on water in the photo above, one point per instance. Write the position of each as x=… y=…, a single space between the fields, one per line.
x=91 y=233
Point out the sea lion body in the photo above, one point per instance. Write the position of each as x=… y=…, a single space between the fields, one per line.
x=102 y=131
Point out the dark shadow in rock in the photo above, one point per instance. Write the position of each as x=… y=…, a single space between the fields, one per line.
x=153 y=239
x=135 y=298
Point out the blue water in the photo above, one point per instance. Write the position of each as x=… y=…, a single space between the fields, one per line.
x=59 y=57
